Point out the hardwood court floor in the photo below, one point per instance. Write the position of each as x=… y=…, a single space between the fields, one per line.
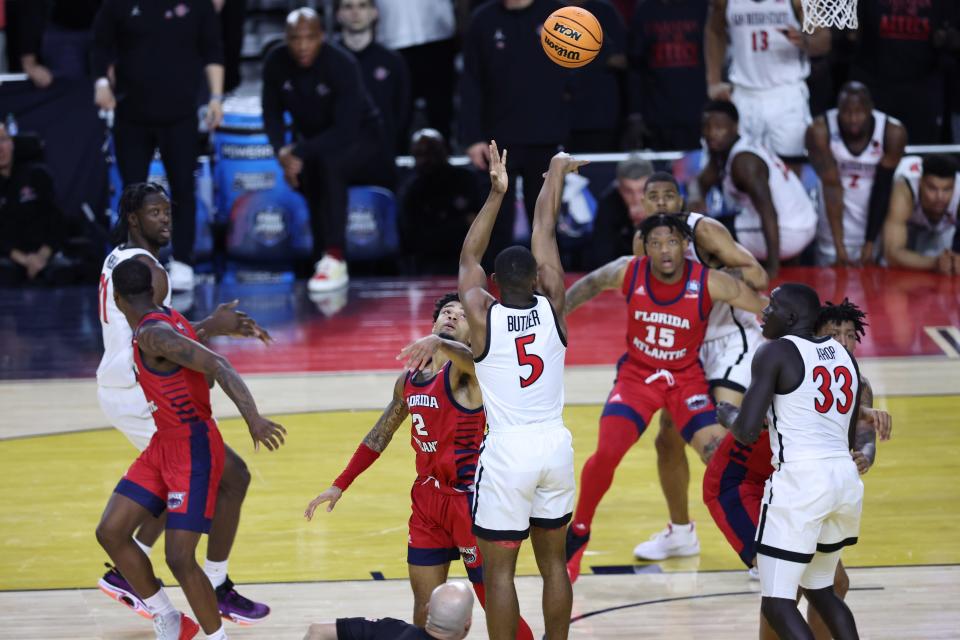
x=56 y=487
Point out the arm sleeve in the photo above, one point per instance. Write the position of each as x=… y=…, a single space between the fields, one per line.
x=211 y=44
x=348 y=110
x=270 y=101
x=104 y=38
x=471 y=93
x=879 y=201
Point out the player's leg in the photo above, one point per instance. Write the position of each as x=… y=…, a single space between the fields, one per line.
x=688 y=401
x=624 y=418
x=423 y=580
x=818 y=587
x=180 y=549
x=679 y=538
x=841 y=584
x=499 y=566
x=549 y=548
x=120 y=518
x=458 y=524
x=779 y=581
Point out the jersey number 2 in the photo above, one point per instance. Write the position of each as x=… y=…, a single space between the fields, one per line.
x=821 y=375
x=532 y=360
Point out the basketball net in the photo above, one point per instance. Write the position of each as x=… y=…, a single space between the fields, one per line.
x=823 y=14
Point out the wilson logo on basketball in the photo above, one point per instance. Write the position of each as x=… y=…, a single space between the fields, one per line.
x=561 y=52
x=564 y=30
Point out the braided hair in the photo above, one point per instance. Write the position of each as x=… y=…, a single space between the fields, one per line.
x=845 y=311
x=131 y=200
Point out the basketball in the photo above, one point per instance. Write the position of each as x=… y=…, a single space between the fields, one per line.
x=572 y=37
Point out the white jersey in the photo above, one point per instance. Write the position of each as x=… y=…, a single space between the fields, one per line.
x=925 y=237
x=857 y=172
x=116 y=365
x=761 y=55
x=812 y=422
x=724 y=320
x=521 y=371
x=790 y=200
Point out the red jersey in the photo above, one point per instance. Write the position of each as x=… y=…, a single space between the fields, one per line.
x=445 y=436
x=177 y=397
x=666 y=322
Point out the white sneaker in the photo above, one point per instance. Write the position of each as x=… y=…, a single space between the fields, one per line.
x=754 y=573
x=181 y=276
x=330 y=274
x=676 y=541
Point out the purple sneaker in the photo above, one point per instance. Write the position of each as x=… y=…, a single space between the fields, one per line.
x=116 y=586
x=236 y=608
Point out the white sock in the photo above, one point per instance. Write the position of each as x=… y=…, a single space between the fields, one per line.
x=146 y=550
x=216 y=571
x=159 y=603
x=219 y=634
x=686 y=528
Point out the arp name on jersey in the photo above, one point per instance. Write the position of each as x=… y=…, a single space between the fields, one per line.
x=827 y=353
x=524 y=322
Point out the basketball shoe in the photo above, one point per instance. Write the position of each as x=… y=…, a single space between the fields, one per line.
x=116 y=586
x=577 y=538
x=676 y=541
x=235 y=608
x=330 y=274
x=169 y=626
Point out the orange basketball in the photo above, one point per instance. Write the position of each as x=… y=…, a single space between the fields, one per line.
x=572 y=37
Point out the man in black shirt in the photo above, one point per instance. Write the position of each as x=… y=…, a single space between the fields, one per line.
x=512 y=93
x=159 y=51
x=31 y=224
x=448 y=618
x=438 y=204
x=338 y=134
x=385 y=73
x=619 y=212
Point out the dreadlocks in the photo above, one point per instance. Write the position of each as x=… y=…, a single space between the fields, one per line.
x=131 y=200
x=846 y=311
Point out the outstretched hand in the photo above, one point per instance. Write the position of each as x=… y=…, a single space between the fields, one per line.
x=418 y=354
x=267 y=432
x=566 y=163
x=331 y=495
x=227 y=320
x=499 y=181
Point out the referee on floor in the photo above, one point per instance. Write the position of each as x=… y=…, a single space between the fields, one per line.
x=150 y=58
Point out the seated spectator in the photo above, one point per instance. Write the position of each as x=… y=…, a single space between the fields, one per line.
x=338 y=134
x=437 y=206
x=619 y=212
x=449 y=616
x=777 y=220
x=922 y=219
x=667 y=84
x=384 y=72
x=854 y=149
x=31 y=224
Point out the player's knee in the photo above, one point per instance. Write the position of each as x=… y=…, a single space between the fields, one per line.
x=236 y=477
x=668 y=443
x=107 y=536
x=180 y=559
x=774 y=608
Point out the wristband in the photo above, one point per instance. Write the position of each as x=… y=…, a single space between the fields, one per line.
x=362 y=458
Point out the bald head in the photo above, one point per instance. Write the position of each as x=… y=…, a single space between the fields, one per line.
x=304 y=36
x=450 y=611
x=793 y=310
x=303 y=15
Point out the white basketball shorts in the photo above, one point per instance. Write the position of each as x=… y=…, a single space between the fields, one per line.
x=126 y=409
x=727 y=360
x=810 y=511
x=525 y=477
x=777 y=118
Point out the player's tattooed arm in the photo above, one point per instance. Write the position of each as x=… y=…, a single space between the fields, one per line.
x=390 y=420
x=872 y=422
x=609 y=276
x=160 y=340
x=710 y=448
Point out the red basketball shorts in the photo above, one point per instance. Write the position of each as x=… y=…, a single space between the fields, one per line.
x=178 y=471
x=733 y=491
x=640 y=391
x=440 y=528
